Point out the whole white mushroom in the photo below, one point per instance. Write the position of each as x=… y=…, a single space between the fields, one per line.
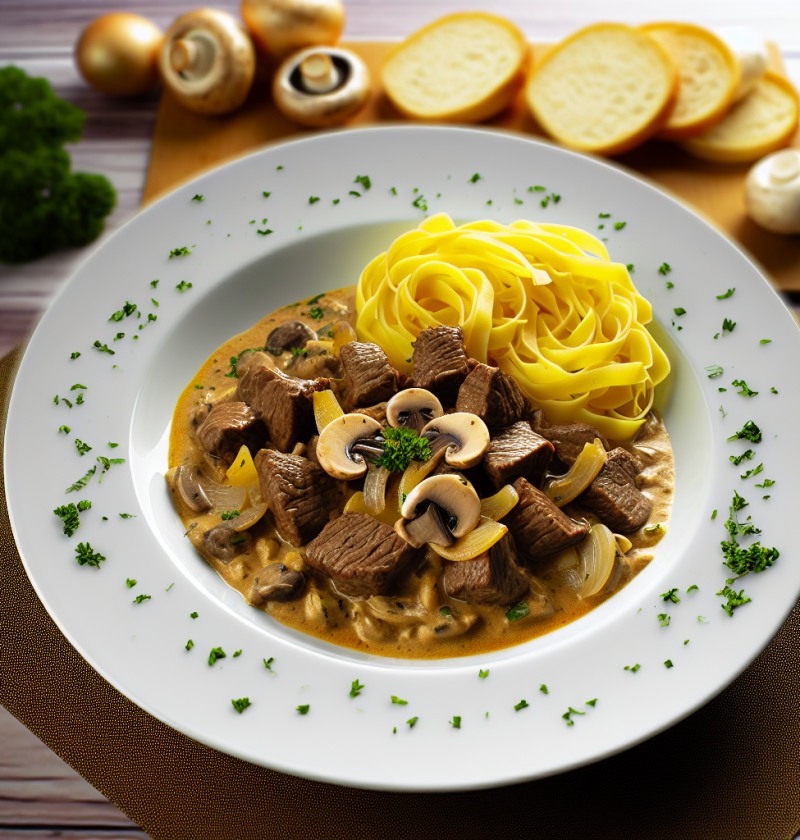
x=772 y=192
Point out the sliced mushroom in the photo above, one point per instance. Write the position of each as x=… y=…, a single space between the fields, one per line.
x=413 y=408
x=224 y=542
x=439 y=510
x=289 y=335
x=344 y=442
x=463 y=436
x=183 y=481
x=277 y=582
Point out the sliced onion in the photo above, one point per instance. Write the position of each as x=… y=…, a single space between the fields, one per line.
x=572 y=578
x=356 y=504
x=475 y=543
x=242 y=470
x=375 y=489
x=581 y=474
x=414 y=474
x=221 y=497
x=624 y=545
x=254 y=492
x=597 y=555
x=326 y=408
x=249 y=517
x=566 y=559
x=497 y=506
x=343 y=334
x=319 y=346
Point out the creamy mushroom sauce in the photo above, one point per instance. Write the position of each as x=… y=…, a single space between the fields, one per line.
x=408 y=624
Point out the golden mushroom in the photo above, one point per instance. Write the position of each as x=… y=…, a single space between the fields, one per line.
x=321 y=87
x=117 y=54
x=280 y=27
x=208 y=62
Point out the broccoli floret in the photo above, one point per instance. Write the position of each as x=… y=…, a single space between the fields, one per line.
x=43 y=205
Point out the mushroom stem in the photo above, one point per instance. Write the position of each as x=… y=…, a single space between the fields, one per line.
x=369 y=447
x=184 y=54
x=194 y=54
x=430 y=527
x=318 y=74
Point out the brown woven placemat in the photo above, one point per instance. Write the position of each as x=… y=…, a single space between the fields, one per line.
x=729 y=771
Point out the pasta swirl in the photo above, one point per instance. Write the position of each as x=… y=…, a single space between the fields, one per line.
x=542 y=302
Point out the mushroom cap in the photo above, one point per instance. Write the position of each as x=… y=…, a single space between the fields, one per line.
x=453 y=494
x=772 y=192
x=470 y=438
x=320 y=110
x=335 y=440
x=288 y=335
x=219 y=61
x=280 y=27
x=413 y=408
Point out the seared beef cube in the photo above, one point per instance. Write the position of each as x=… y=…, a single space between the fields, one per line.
x=300 y=494
x=540 y=528
x=493 y=396
x=493 y=579
x=368 y=376
x=376 y=412
x=614 y=497
x=230 y=426
x=362 y=556
x=568 y=440
x=284 y=404
x=514 y=452
x=440 y=362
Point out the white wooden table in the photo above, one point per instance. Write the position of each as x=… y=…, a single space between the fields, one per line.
x=40 y=796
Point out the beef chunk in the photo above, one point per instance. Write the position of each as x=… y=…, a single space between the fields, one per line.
x=493 y=579
x=614 y=497
x=276 y=582
x=300 y=494
x=284 y=404
x=376 y=412
x=440 y=362
x=494 y=396
x=362 y=556
x=540 y=529
x=514 y=452
x=568 y=440
x=228 y=427
x=368 y=376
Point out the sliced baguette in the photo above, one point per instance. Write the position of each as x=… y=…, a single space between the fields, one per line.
x=765 y=120
x=605 y=89
x=709 y=77
x=464 y=67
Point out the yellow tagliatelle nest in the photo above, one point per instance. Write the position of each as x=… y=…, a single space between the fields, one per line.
x=542 y=302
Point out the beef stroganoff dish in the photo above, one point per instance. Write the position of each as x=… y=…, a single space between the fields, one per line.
x=457 y=455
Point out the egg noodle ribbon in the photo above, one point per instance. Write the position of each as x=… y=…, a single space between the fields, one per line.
x=542 y=302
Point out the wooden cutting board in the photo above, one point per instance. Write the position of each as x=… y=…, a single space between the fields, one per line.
x=185 y=144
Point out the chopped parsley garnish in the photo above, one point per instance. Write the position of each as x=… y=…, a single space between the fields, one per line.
x=266 y=194
x=265 y=232
x=107 y=462
x=727 y=294
x=536 y=189
x=312 y=199
x=679 y=310
x=630 y=268
x=556 y=198
x=420 y=203
x=773 y=390
x=234 y=360
x=734 y=599
x=569 y=712
x=728 y=325
x=411 y=722
x=747 y=455
x=197 y=197
x=455 y=722
x=183 y=286
x=604 y=215
x=754 y=558
x=154 y=283
x=714 y=515
x=355 y=688
x=356 y=194
x=445 y=612
x=402 y=446
x=118 y=336
x=619 y=225
x=316 y=313
x=315 y=299
x=125 y=312
x=745 y=392
x=523 y=704
x=668 y=663
x=692 y=588
x=81 y=482
x=87 y=557
x=519 y=611
x=591 y=703
x=189 y=645
x=702 y=619
x=74 y=355
x=632 y=668
x=140 y=598
x=665 y=268
x=65 y=429
x=179 y=252
x=475 y=178
x=664 y=619
x=714 y=370
x=754 y=471
x=364 y=181
x=82 y=447
x=241 y=704
x=398 y=702
x=268 y=664
x=216 y=653
x=170 y=586
x=765 y=341
x=518 y=201
x=130 y=582
x=230 y=514
x=768 y=482
x=545 y=201
x=670 y=284
x=79 y=400
x=303 y=709
x=393 y=191
x=238 y=653
x=69 y=516
x=483 y=674
x=670 y=596
x=237 y=540
x=193 y=615
x=652 y=530
x=686 y=641
x=749 y=432
x=103 y=348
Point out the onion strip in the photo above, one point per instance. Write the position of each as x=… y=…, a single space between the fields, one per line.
x=375 y=489
x=326 y=408
x=582 y=473
x=497 y=506
x=478 y=541
x=597 y=555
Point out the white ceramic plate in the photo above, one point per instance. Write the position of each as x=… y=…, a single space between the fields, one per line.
x=238 y=276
